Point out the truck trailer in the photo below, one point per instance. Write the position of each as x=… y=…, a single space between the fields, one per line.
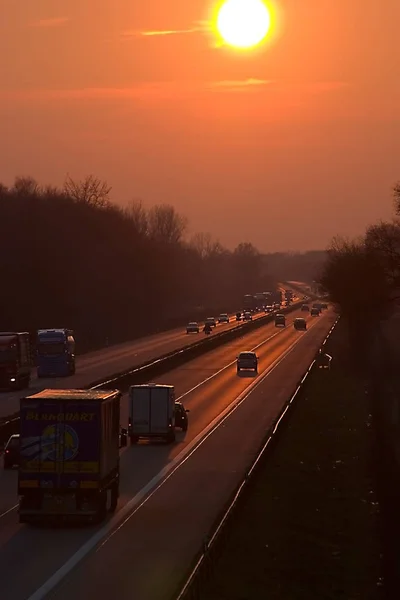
x=69 y=455
x=15 y=360
x=151 y=412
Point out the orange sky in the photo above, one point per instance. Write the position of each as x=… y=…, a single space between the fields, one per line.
x=284 y=147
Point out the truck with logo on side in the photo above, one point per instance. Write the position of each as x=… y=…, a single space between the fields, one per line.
x=55 y=351
x=15 y=360
x=69 y=455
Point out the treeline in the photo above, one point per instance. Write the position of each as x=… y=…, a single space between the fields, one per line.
x=362 y=276
x=70 y=257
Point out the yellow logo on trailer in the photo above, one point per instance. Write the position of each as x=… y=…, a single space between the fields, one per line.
x=59 y=442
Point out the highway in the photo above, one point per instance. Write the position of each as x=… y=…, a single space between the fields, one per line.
x=188 y=502
x=104 y=363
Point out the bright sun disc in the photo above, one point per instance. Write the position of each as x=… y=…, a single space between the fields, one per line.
x=243 y=23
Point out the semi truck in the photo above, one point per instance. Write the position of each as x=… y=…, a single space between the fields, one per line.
x=69 y=455
x=260 y=301
x=154 y=413
x=55 y=351
x=276 y=297
x=15 y=360
x=249 y=303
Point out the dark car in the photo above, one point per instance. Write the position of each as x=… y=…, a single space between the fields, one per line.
x=299 y=323
x=181 y=418
x=305 y=308
x=280 y=320
x=247 y=360
x=315 y=312
x=211 y=321
x=11 y=452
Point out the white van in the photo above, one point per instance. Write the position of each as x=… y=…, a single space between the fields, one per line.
x=151 y=412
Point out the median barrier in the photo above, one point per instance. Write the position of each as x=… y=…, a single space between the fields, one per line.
x=148 y=371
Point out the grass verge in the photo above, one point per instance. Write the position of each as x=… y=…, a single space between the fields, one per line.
x=308 y=525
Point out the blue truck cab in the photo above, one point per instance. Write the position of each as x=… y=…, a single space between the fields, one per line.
x=55 y=352
x=69 y=455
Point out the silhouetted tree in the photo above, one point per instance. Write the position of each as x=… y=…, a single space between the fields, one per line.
x=89 y=191
x=137 y=214
x=396 y=197
x=70 y=257
x=383 y=240
x=165 y=224
x=356 y=281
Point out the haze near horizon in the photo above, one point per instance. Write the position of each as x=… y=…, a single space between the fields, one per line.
x=286 y=145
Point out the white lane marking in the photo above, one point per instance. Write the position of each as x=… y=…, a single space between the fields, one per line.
x=8 y=511
x=203 y=382
x=231 y=363
x=131 y=507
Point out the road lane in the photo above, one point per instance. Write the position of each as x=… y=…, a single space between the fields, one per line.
x=138 y=464
x=147 y=557
x=104 y=363
x=190 y=375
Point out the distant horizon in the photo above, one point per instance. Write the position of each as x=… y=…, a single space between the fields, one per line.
x=287 y=145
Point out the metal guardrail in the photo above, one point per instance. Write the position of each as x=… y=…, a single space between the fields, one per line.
x=162 y=364
x=188 y=589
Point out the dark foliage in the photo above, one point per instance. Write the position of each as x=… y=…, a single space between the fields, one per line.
x=73 y=258
x=363 y=276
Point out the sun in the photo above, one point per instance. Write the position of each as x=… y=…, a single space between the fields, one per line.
x=243 y=23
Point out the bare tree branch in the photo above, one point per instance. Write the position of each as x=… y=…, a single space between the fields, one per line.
x=165 y=224
x=91 y=191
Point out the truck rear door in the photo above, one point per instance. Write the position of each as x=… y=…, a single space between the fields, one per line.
x=140 y=410
x=160 y=410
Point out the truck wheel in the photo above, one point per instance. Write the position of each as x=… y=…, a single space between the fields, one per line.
x=134 y=439
x=114 y=497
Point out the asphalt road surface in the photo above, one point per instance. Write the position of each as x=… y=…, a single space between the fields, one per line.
x=104 y=363
x=147 y=556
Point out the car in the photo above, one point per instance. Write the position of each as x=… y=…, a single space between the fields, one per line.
x=324 y=305
x=193 y=327
x=277 y=305
x=11 y=452
x=280 y=320
x=247 y=360
x=181 y=418
x=211 y=321
x=305 y=308
x=300 y=323
x=315 y=312
x=247 y=316
x=223 y=318
x=269 y=308
x=317 y=305
x=238 y=316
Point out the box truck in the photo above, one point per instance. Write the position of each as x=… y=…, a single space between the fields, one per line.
x=154 y=413
x=69 y=455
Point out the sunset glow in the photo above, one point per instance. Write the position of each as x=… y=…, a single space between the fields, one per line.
x=243 y=23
